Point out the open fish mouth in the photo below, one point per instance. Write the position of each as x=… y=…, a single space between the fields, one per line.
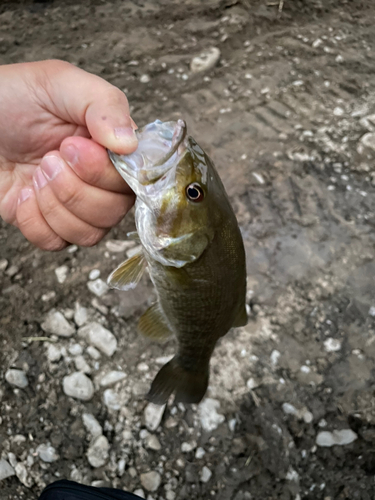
x=160 y=145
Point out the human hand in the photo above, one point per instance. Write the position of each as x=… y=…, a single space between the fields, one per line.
x=57 y=184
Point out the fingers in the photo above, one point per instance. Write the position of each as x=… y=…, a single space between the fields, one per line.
x=91 y=102
x=97 y=207
x=91 y=163
x=67 y=225
x=32 y=224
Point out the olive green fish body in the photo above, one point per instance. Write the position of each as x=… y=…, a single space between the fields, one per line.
x=194 y=252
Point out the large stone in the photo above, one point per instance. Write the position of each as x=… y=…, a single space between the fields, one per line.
x=209 y=417
x=112 y=378
x=150 y=480
x=98 y=287
x=78 y=386
x=153 y=415
x=98 y=336
x=6 y=470
x=57 y=324
x=92 y=425
x=17 y=378
x=97 y=454
x=336 y=438
x=206 y=60
x=111 y=399
x=47 y=453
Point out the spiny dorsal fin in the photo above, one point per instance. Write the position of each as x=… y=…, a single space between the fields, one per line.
x=127 y=275
x=241 y=318
x=153 y=325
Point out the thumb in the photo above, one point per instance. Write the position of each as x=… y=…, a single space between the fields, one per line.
x=85 y=99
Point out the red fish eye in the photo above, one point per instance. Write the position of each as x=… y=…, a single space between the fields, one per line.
x=194 y=192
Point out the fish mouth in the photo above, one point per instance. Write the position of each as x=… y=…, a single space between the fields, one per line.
x=160 y=146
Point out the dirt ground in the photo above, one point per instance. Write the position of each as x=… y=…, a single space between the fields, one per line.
x=288 y=117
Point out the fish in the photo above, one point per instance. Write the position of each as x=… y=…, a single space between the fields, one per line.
x=193 y=249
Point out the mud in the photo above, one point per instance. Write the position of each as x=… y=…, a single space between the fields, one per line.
x=282 y=115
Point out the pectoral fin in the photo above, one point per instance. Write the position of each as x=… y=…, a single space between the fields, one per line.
x=128 y=274
x=153 y=325
x=241 y=318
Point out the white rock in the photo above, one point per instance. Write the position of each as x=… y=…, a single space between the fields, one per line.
x=308 y=417
x=92 y=425
x=98 y=287
x=48 y=296
x=112 y=378
x=368 y=140
x=80 y=314
x=61 y=273
x=372 y=311
x=93 y=352
x=187 y=447
x=338 y=111
x=6 y=470
x=206 y=60
x=153 y=442
x=121 y=467
x=17 y=378
x=145 y=78
x=150 y=480
x=275 y=355
x=170 y=495
x=57 y=324
x=97 y=454
x=332 y=345
x=47 y=453
x=139 y=492
x=21 y=473
x=99 y=337
x=117 y=246
x=252 y=384
x=78 y=386
x=209 y=417
x=111 y=400
x=340 y=438
x=200 y=453
x=53 y=353
x=205 y=474
x=94 y=274
x=153 y=415
x=75 y=349
x=289 y=409
x=82 y=365
x=3 y=264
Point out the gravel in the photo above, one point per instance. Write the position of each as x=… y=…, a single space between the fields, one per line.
x=153 y=415
x=47 y=453
x=6 y=470
x=205 y=474
x=78 y=386
x=150 y=480
x=205 y=61
x=97 y=454
x=210 y=419
x=99 y=337
x=92 y=425
x=112 y=378
x=338 y=437
x=17 y=378
x=56 y=323
x=98 y=287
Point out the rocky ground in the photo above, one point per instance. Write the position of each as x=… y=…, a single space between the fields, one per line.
x=287 y=114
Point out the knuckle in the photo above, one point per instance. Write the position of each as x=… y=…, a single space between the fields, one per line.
x=53 y=244
x=92 y=237
x=69 y=196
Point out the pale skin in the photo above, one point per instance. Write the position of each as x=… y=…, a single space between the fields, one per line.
x=57 y=184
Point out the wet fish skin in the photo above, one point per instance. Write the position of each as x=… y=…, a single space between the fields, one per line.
x=195 y=256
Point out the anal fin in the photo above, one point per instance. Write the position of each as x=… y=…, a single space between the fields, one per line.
x=127 y=275
x=153 y=325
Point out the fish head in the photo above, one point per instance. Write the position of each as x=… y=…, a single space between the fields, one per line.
x=171 y=177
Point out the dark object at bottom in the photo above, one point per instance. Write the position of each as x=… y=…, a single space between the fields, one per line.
x=69 y=490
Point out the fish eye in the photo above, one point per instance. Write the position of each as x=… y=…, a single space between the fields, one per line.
x=194 y=192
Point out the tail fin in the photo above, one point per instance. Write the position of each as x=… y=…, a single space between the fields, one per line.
x=189 y=386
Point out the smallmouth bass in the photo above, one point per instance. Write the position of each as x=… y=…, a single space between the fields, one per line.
x=193 y=248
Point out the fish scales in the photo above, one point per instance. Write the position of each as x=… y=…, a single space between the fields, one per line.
x=193 y=248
